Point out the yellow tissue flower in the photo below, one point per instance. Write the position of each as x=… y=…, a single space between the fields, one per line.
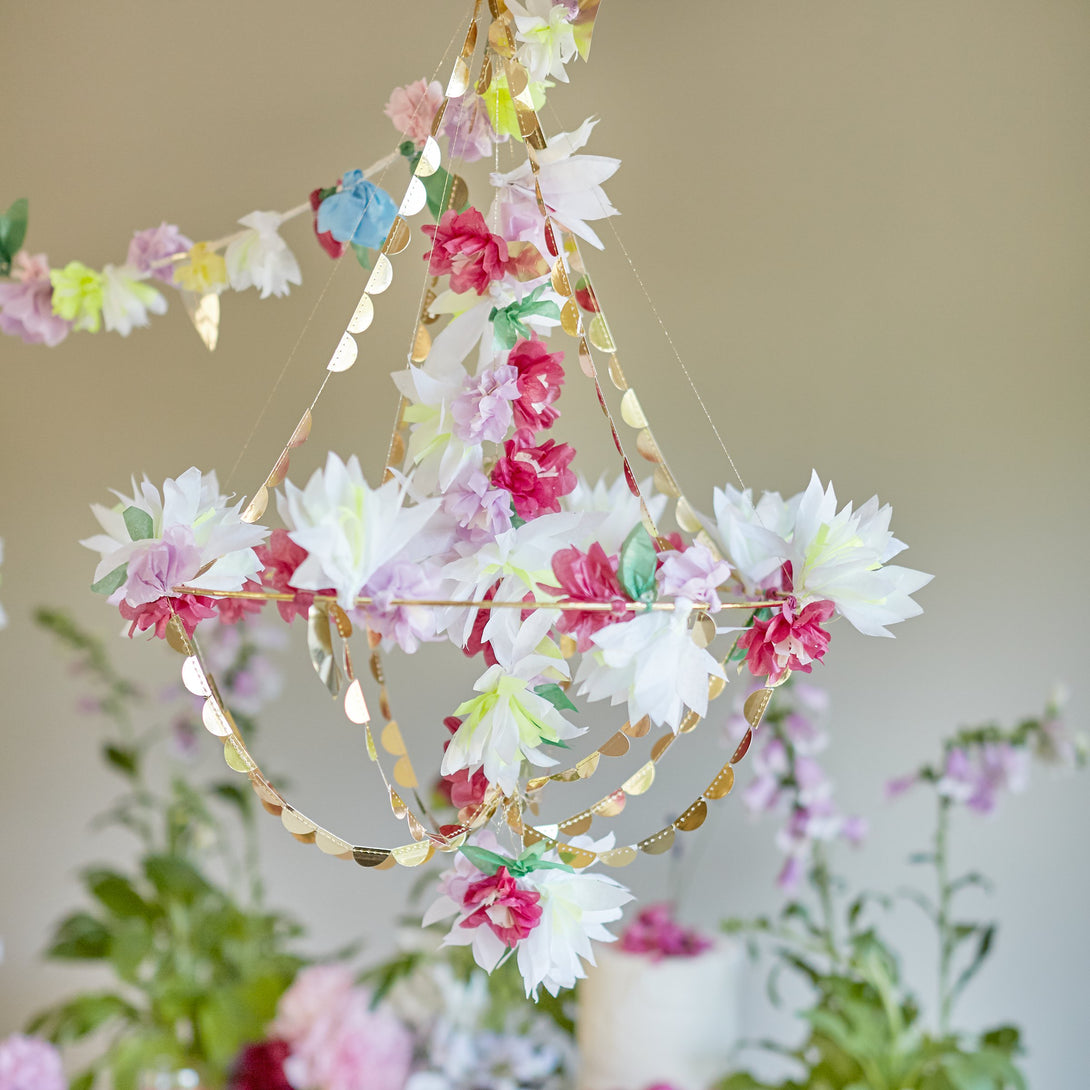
x=501 y=106
x=204 y=271
x=77 y=295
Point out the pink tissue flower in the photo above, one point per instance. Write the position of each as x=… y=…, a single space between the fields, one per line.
x=536 y=477
x=412 y=109
x=190 y=609
x=588 y=577
x=154 y=245
x=483 y=412
x=29 y=1063
x=464 y=248
x=540 y=376
x=788 y=640
x=657 y=933
x=26 y=305
x=467 y=128
x=233 y=610
x=499 y=903
x=280 y=557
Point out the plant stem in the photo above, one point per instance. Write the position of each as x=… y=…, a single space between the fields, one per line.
x=823 y=884
x=943 y=921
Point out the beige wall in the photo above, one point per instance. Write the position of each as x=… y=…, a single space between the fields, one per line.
x=866 y=227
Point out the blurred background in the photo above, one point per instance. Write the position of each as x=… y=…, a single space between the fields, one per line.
x=865 y=227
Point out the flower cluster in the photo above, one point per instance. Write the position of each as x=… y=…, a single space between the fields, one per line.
x=534 y=905
x=656 y=933
x=29 y=1063
x=789 y=781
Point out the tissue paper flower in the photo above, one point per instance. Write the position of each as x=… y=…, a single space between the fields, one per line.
x=152 y=543
x=77 y=295
x=325 y=239
x=484 y=411
x=126 y=302
x=467 y=128
x=150 y=251
x=348 y=529
x=536 y=477
x=588 y=577
x=540 y=376
x=204 y=271
x=791 y=639
x=652 y=663
x=26 y=304
x=412 y=109
x=546 y=38
x=360 y=213
x=465 y=249
x=261 y=258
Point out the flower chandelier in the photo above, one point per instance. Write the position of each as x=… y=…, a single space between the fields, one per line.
x=482 y=533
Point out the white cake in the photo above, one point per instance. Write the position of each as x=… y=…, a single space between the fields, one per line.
x=672 y=1021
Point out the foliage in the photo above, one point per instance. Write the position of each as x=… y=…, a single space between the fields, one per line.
x=198 y=967
x=864 y=1028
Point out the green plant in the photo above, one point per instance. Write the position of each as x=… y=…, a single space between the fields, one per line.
x=864 y=1029
x=199 y=967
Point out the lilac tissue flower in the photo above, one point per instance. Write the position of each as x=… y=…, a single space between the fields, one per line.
x=484 y=411
x=151 y=249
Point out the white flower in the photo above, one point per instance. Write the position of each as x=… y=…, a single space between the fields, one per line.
x=181 y=532
x=753 y=536
x=547 y=38
x=652 y=662
x=575 y=907
x=609 y=511
x=841 y=557
x=349 y=529
x=509 y=722
x=571 y=185
x=126 y=302
x=260 y=258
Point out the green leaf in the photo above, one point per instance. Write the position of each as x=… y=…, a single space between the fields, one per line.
x=80 y=1017
x=636 y=569
x=80 y=936
x=130 y=945
x=139 y=523
x=13 y=225
x=175 y=878
x=363 y=255
x=1005 y=1039
x=983 y=948
x=109 y=583
x=556 y=696
x=83 y=1081
x=125 y=759
x=116 y=893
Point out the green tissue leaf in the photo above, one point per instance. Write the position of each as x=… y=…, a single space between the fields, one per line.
x=483 y=859
x=139 y=523
x=12 y=232
x=109 y=583
x=636 y=570
x=363 y=255
x=555 y=696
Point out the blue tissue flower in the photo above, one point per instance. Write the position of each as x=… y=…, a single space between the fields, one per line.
x=360 y=213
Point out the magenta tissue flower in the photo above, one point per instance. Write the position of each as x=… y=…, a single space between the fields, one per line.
x=499 y=903
x=26 y=304
x=540 y=376
x=29 y=1063
x=465 y=249
x=150 y=250
x=789 y=640
x=588 y=577
x=536 y=477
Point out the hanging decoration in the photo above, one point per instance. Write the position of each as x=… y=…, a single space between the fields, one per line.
x=482 y=532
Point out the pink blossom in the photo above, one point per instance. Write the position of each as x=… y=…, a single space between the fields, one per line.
x=657 y=933
x=281 y=556
x=536 y=477
x=26 y=304
x=788 y=640
x=233 y=610
x=325 y=239
x=465 y=790
x=464 y=248
x=588 y=577
x=499 y=903
x=540 y=376
x=483 y=412
x=150 y=250
x=29 y=1063
x=412 y=109
x=694 y=573
x=480 y=510
x=467 y=128
x=190 y=609
x=314 y=995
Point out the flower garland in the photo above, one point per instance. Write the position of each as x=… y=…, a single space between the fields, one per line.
x=485 y=535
